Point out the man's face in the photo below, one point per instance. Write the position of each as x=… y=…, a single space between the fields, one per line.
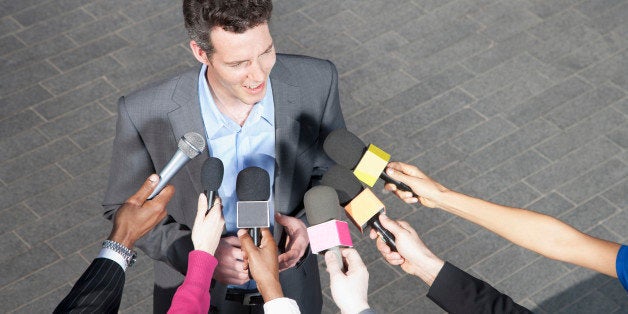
x=240 y=65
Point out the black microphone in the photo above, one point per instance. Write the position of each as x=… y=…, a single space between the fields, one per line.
x=346 y=149
x=211 y=179
x=190 y=146
x=361 y=205
x=327 y=232
x=253 y=191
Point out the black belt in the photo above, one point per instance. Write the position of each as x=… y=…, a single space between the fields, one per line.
x=246 y=297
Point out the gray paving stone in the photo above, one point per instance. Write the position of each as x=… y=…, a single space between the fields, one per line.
x=442 y=238
x=380 y=274
x=141 y=74
x=103 y=25
x=11 y=246
x=45 y=303
x=518 y=285
x=518 y=195
x=421 y=302
x=35 y=160
x=593 y=8
x=135 y=290
x=572 y=165
x=499 y=52
x=483 y=134
x=32 y=185
x=23 y=99
x=8 y=24
x=560 y=293
x=505 y=262
x=89 y=159
x=20 y=122
x=13 y=82
x=30 y=58
x=451 y=17
x=474 y=249
x=74 y=99
x=507 y=147
x=60 y=23
x=388 y=299
x=384 y=88
x=74 y=120
x=590 y=53
x=506 y=175
x=589 y=214
x=80 y=236
x=88 y=51
x=9 y=43
x=448 y=127
x=368 y=119
x=558 y=24
x=404 y=149
x=437 y=158
x=617 y=194
x=586 y=131
x=138 y=32
x=412 y=98
x=614 y=17
x=614 y=291
x=70 y=190
x=80 y=75
x=10 y=7
x=584 y=106
x=390 y=15
x=553 y=205
x=595 y=181
x=44 y=280
x=545 y=9
x=25 y=263
x=611 y=69
x=14 y=217
x=546 y=101
x=455 y=175
x=503 y=21
x=620 y=136
x=61 y=220
x=422 y=68
x=11 y=146
x=438 y=40
x=595 y=301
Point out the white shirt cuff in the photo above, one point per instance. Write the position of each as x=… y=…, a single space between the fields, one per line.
x=282 y=306
x=114 y=256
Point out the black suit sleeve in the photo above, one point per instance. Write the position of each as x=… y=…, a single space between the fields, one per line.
x=455 y=291
x=99 y=290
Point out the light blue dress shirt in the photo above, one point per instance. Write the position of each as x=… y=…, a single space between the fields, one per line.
x=239 y=147
x=252 y=144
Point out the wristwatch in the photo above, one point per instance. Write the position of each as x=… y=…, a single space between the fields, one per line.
x=129 y=255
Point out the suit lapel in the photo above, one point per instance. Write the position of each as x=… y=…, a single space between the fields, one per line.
x=187 y=118
x=287 y=130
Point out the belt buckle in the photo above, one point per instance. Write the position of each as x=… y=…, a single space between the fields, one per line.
x=248 y=296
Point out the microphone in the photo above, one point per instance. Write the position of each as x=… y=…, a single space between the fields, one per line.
x=211 y=179
x=367 y=163
x=190 y=145
x=327 y=232
x=253 y=191
x=361 y=204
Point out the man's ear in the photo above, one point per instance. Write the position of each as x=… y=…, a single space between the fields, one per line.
x=199 y=53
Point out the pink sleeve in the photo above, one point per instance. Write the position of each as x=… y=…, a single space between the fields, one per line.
x=193 y=295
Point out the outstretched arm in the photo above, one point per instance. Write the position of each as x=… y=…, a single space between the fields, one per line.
x=537 y=232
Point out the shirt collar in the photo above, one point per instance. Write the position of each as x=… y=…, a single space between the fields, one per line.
x=264 y=109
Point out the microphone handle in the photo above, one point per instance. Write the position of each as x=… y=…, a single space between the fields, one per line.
x=388 y=237
x=211 y=197
x=400 y=185
x=256 y=235
x=178 y=160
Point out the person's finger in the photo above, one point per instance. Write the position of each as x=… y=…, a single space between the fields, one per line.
x=353 y=258
x=216 y=206
x=373 y=234
x=405 y=169
x=246 y=242
x=233 y=241
x=165 y=195
x=382 y=247
x=390 y=224
x=267 y=238
x=145 y=190
x=333 y=265
x=390 y=187
x=201 y=208
x=400 y=176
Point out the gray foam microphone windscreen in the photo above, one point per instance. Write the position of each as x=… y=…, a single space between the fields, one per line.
x=344 y=147
x=344 y=182
x=212 y=173
x=321 y=204
x=253 y=184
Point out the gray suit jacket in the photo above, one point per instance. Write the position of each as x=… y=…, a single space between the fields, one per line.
x=152 y=120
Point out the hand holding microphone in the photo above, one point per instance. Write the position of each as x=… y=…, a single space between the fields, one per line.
x=367 y=163
x=190 y=146
x=261 y=260
x=348 y=289
x=360 y=204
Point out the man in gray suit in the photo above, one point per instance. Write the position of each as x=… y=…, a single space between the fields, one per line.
x=255 y=108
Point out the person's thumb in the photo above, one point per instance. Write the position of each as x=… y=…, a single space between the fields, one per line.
x=333 y=265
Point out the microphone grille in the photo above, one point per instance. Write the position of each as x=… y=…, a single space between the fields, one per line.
x=192 y=144
x=253 y=184
x=212 y=173
x=321 y=204
x=344 y=182
x=344 y=147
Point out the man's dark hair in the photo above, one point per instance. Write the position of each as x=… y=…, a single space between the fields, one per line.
x=232 y=15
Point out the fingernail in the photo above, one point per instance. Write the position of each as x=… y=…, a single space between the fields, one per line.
x=153 y=178
x=390 y=171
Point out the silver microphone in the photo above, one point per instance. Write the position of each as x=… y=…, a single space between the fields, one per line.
x=190 y=146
